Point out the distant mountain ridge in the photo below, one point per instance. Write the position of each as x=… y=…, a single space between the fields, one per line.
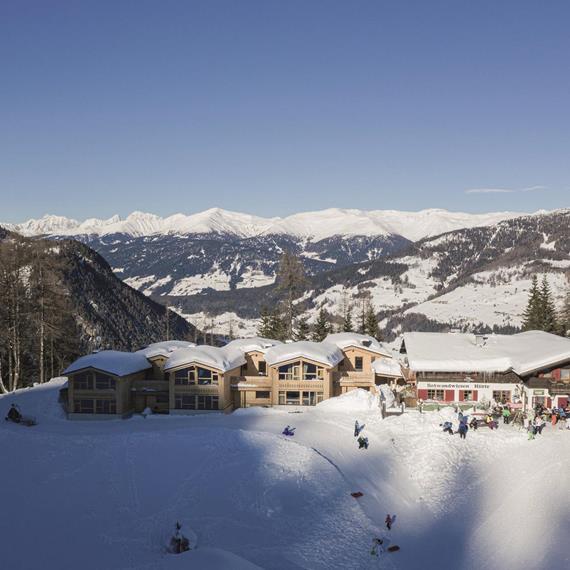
x=316 y=225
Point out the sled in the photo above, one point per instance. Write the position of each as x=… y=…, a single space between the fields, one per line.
x=393 y=548
x=357 y=494
x=24 y=421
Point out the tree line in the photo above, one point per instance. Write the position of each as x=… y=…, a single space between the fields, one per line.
x=540 y=313
x=285 y=321
x=38 y=331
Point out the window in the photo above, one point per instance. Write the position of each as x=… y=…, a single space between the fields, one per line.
x=83 y=406
x=263 y=367
x=289 y=372
x=435 y=395
x=162 y=399
x=467 y=395
x=206 y=376
x=565 y=374
x=292 y=398
x=263 y=395
x=105 y=407
x=104 y=382
x=502 y=396
x=281 y=398
x=83 y=381
x=358 y=363
x=196 y=402
x=185 y=377
x=312 y=372
x=311 y=398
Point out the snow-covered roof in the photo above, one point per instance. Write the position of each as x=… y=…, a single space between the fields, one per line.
x=222 y=359
x=523 y=353
x=346 y=340
x=387 y=367
x=164 y=348
x=254 y=344
x=111 y=361
x=325 y=353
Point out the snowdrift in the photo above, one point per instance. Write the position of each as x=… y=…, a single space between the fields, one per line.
x=356 y=401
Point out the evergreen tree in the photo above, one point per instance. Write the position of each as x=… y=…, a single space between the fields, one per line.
x=347 y=320
x=271 y=325
x=264 y=329
x=290 y=279
x=547 y=310
x=371 y=323
x=532 y=316
x=564 y=318
x=303 y=330
x=321 y=327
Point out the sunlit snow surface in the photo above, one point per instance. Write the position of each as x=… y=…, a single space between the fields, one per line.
x=96 y=495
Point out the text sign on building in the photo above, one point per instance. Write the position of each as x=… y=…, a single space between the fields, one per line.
x=449 y=386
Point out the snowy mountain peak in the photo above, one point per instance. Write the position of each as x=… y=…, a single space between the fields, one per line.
x=315 y=225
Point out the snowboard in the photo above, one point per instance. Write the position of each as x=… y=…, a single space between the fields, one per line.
x=357 y=494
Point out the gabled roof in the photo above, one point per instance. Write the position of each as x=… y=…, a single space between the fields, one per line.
x=111 y=361
x=346 y=340
x=523 y=353
x=222 y=359
x=164 y=348
x=254 y=344
x=325 y=353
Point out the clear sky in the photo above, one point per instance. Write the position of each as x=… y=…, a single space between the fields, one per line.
x=273 y=107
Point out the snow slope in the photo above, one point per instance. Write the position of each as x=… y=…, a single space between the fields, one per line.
x=107 y=494
x=312 y=225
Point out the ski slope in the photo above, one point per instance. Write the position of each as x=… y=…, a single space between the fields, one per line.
x=107 y=494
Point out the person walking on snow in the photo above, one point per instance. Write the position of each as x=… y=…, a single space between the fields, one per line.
x=506 y=415
x=463 y=430
x=389 y=520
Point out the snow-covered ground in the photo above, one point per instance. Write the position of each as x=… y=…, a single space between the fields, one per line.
x=107 y=494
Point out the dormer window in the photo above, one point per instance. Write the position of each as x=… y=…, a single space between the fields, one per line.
x=263 y=367
x=358 y=363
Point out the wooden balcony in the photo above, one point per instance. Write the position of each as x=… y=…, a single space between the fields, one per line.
x=149 y=386
x=199 y=389
x=251 y=383
x=310 y=385
x=353 y=378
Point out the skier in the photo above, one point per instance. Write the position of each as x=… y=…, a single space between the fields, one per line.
x=389 y=520
x=448 y=427
x=14 y=414
x=362 y=442
x=463 y=430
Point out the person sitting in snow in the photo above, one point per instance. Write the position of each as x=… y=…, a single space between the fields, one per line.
x=448 y=427
x=473 y=424
x=289 y=431
x=377 y=547
x=362 y=442
x=14 y=414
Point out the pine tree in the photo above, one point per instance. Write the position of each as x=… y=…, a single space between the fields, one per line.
x=265 y=329
x=303 y=330
x=347 y=320
x=564 y=318
x=321 y=327
x=371 y=323
x=547 y=310
x=532 y=316
x=291 y=279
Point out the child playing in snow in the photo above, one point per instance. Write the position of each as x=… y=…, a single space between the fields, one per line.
x=362 y=442
x=389 y=520
x=448 y=427
x=358 y=428
x=289 y=431
x=377 y=547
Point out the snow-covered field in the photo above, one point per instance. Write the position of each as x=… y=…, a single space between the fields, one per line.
x=106 y=495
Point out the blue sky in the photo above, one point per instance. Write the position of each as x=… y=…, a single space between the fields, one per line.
x=277 y=107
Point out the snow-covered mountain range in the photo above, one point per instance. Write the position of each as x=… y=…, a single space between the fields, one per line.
x=310 y=225
x=421 y=268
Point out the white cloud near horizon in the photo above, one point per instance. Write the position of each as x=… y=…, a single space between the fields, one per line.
x=504 y=190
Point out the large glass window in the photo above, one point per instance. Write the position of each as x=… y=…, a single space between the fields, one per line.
x=289 y=371
x=312 y=398
x=262 y=395
x=83 y=406
x=104 y=382
x=185 y=377
x=292 y=398
x=83 y=381
x=105 y=407
x=193 y=402
x=206 y=376
x=312 y=371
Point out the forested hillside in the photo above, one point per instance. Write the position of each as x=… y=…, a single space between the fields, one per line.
x=61 y=299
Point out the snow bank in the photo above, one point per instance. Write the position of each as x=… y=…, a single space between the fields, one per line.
x=355 y=400
x=346 y=340
x=209 y=559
